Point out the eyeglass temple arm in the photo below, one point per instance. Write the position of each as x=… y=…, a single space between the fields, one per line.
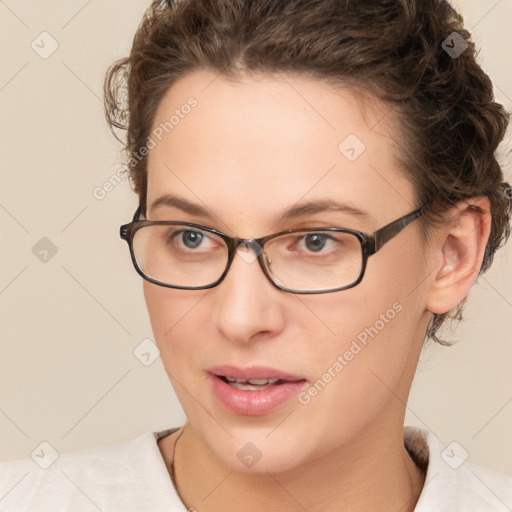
x=123 y=231
x=386 y=233
x=138 y=212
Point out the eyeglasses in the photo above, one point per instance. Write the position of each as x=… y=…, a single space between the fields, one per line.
x=189 y=256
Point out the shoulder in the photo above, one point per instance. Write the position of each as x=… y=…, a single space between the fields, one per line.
x=453 y=483
x=108 y=477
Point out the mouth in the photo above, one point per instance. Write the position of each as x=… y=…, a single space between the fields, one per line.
x=253 y=375
x=252 y=384
x=253 y=391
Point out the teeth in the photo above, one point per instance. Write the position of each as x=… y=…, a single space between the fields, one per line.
x=255 y=382
x=261 y=382
x=247 y=387
x=251 y=384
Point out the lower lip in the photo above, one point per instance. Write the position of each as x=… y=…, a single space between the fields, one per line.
x=254 y=403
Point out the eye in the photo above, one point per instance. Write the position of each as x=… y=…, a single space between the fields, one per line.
x=316 y=242
x=191 y=239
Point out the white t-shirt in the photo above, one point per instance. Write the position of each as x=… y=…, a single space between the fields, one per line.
x=132 y=477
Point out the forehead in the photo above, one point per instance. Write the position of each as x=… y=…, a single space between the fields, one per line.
x=265 y=142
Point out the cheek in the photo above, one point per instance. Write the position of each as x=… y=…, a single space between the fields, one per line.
x=370 y=340
x=360 y=371
x=364 y=334
x=158 y=300
x=180 y=325
x=173 y=316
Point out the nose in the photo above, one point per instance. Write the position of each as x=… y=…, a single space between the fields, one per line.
x=246 y=304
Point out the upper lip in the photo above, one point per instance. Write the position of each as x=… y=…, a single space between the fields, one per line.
x=253 y=372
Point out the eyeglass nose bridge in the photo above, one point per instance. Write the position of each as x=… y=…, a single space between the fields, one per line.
x=249 y=243
x=249 y=256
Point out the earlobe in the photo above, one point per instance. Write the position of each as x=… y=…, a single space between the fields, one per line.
x=460 y=250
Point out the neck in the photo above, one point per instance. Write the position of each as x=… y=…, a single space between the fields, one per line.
x=373 y=472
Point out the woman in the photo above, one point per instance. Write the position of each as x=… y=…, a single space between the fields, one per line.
x=318 y=193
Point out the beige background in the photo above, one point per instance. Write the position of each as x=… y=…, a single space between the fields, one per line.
x=68 y=374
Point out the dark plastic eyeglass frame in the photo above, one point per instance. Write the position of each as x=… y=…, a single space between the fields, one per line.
x=370 y=244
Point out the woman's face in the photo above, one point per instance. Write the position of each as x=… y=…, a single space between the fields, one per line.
x=246 y=152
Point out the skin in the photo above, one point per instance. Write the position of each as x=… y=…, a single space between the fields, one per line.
x=250 y=149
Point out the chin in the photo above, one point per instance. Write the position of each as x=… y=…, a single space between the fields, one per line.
x=260 y=450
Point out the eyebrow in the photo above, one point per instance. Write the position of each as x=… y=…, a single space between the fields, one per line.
x=292 y=212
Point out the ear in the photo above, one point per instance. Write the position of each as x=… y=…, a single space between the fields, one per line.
x=459 y=253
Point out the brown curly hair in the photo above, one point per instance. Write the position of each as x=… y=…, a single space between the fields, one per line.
x=449 y=124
